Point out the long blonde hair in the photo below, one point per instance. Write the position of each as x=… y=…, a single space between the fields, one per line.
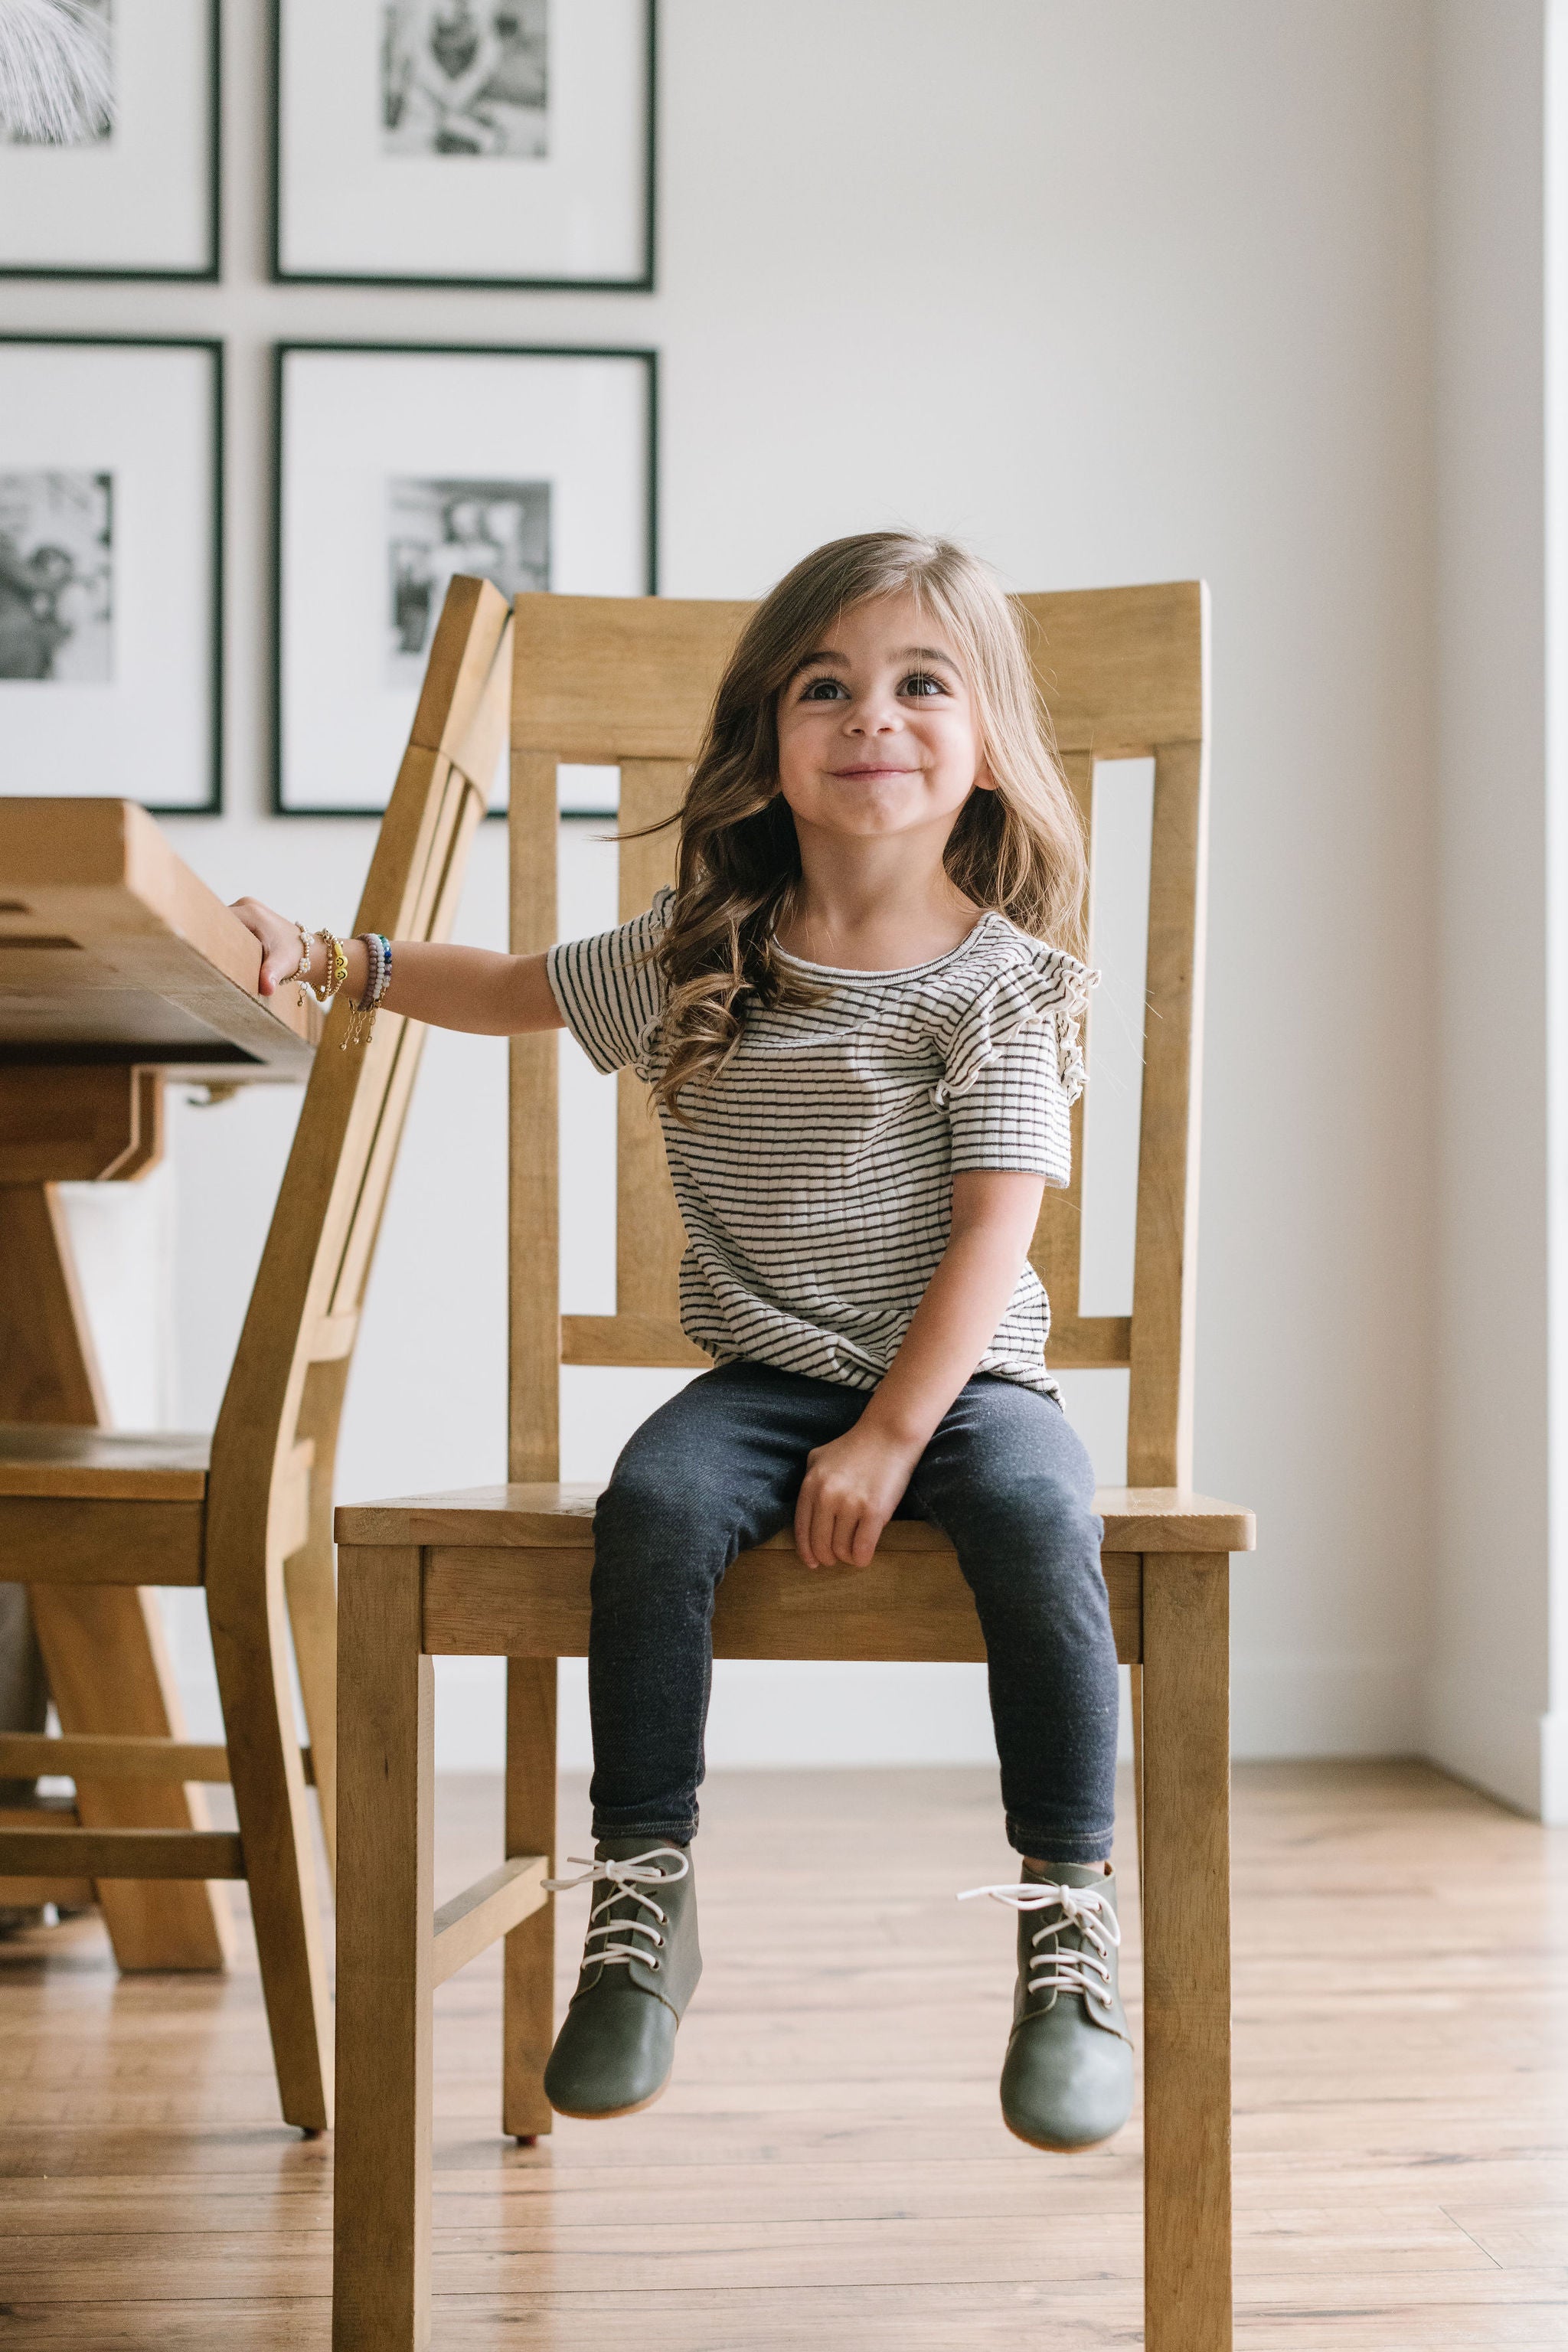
x=1018 y=848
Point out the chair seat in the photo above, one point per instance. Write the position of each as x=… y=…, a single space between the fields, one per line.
x=561 y=1519
x=113 y=1507
x=40 y=1460
x=505 y=1574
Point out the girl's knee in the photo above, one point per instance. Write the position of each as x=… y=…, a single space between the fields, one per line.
x=1045 y=1520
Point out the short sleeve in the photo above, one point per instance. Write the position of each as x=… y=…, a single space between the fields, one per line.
x=610 y=990
x=1016 y=1069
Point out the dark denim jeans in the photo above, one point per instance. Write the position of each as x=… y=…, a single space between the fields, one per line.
x=717 y=1469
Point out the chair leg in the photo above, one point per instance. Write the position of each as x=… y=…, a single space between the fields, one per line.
x=310 y=1583
x=1135 y=1708
x=251 y=1650
x=1186 y=1954
x=381 y=2261
x=108 y=1670
x=528 y=2011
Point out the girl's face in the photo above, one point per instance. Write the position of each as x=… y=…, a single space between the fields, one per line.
x=876 y=730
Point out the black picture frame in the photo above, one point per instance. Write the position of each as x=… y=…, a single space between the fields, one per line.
x=214 y=349
x=647 y=354
x=211 y=272
x=643 y=282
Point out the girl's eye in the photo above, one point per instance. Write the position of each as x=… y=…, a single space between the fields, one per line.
x=821 y=690
x=920 y=682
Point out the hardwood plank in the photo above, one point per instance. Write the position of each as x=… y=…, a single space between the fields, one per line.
x=1387 y=2110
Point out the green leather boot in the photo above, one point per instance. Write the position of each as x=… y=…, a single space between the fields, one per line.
x=1066 y=2080
x=640 y=1966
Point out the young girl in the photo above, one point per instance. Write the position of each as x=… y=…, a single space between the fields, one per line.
x=863 y=1049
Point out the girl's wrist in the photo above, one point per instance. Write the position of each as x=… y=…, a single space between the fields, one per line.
x=893 y=1429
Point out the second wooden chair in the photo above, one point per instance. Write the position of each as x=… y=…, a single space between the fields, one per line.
x=249 y=1514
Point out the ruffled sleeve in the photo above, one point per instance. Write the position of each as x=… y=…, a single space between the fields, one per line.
x=1015 y=1067
x=610 y=992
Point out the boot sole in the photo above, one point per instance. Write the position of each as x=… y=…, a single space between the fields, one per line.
x=1063 y=2146
x=611 y=2115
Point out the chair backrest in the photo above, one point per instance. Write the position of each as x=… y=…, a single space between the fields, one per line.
x=1124 y=674
x=291 y=1366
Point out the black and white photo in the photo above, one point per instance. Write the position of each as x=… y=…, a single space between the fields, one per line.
x=61 y=85
x=490 y=530
x=108 y=147
x=110 y=568
x=466 y=78
x=477 y=143
x=401 y=466
x=57 y=576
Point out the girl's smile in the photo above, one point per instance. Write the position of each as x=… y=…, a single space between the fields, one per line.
x=876 y=730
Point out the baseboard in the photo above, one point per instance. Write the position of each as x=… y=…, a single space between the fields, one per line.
x=1512 y=1752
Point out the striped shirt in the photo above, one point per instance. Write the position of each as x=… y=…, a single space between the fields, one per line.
x=814 y=1179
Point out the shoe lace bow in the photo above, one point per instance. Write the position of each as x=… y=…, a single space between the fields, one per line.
x=626 y=1879
x=1083 y=1967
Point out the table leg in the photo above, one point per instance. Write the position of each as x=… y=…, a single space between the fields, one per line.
x=103 y=1644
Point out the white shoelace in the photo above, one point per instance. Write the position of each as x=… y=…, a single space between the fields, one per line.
x=1084 y=1970
x=625 y=1878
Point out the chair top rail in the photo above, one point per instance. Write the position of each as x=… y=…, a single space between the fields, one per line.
x=604 y=678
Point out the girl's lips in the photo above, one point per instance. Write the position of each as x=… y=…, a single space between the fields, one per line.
x=874 y=771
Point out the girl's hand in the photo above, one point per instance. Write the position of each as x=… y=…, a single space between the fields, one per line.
x=279 y=941
x=851 y=1490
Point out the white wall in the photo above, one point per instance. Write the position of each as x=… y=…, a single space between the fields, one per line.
x=1121 y=293
x=1487 y=1694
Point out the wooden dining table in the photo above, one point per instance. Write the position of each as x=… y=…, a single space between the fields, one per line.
x=120 y=969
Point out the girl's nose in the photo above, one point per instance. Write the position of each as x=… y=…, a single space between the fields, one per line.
x=872 y=717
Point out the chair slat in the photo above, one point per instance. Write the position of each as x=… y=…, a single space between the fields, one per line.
x=1164 y=1287
x=534 y=1443
x=650 y=1240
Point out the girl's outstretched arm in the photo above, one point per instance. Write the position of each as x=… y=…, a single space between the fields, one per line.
x=853 y=1486
x=450 y=987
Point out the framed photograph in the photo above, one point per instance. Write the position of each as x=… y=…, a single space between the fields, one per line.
x=122 y=179
x=464 y=142
x=111 y=569
x=399 y=465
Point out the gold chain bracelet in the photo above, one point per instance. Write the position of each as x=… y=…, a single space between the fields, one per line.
x=337 y=971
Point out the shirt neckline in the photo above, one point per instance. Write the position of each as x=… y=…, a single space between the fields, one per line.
x=899 y=972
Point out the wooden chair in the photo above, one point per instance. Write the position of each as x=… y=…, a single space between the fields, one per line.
x=504 y=1571
x=249 y=1514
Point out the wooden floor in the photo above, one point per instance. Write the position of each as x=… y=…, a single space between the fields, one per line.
x=829 y=2169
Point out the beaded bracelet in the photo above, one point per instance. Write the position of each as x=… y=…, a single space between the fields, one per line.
x=362 y=1016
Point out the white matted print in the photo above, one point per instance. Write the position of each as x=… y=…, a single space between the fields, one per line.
x=122 y=179
x=465 y=141
x=109 y=570
x=399 y=468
